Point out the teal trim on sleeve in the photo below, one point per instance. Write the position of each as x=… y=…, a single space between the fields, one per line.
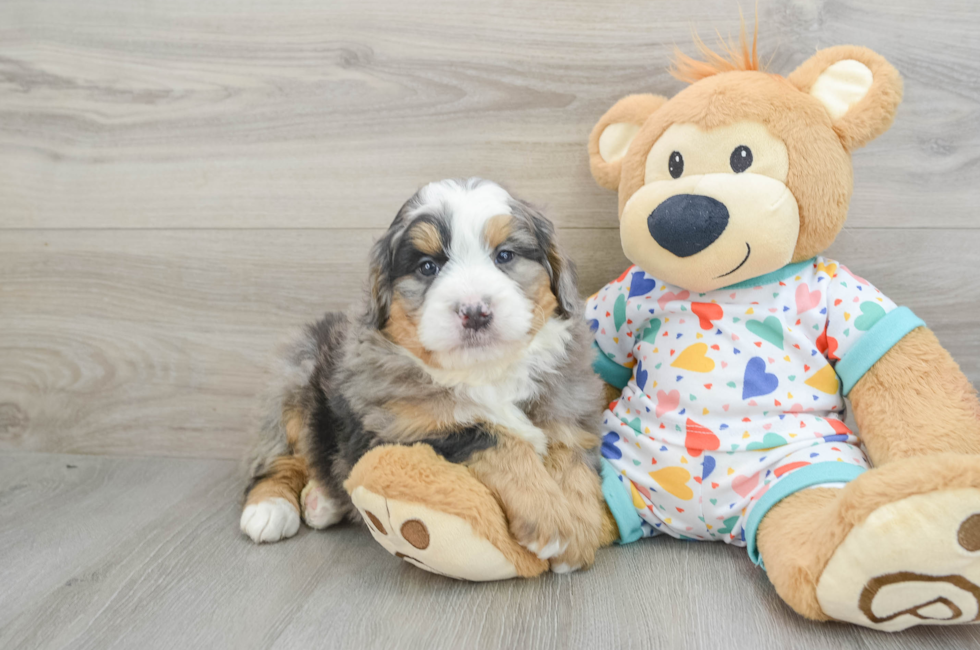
x=874 y=344
x=800 y=479
x=620 y=504
x=787 y=271
x=611 y=372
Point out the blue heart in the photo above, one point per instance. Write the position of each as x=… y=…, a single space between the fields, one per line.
x=709 y=466
x=593 y=325
x=757 y=381
x=609 y=448
x=840 y=437
x=640 y=285
x=641 y=376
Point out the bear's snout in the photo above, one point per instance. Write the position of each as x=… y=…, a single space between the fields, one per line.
x=686 y=224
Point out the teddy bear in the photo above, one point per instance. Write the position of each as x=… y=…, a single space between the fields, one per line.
x=730 y=346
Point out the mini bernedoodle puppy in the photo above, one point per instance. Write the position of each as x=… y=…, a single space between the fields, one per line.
x=472 y=340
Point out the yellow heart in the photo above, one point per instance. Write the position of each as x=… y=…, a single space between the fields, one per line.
x=786 y=357
x=829 y=269
x=637 y=501
x=704 y=412
x=825 y=380
x=693 y=358
x=683 y=461
x=847 y=316
x=790 y=395
x=673 y=480
x=699 y=336
x=615 y=339
x=730 y=471
x=750 y=311
x=745 y=435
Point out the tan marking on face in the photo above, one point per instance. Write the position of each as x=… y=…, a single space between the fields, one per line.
x=426 y=238
x=402 y=330
x=545 y=303
x=285 y=479
x=497 y=230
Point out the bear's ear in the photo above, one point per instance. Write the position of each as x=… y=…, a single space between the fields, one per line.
x=613 y=133
x=859 y=89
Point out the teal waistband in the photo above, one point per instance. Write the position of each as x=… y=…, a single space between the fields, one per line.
x=800 y=479
x=620 y=504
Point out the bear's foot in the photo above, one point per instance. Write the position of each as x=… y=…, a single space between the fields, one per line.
x=915 y=561
x=436 y=516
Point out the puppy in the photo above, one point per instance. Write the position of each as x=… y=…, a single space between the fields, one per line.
x=472 y=340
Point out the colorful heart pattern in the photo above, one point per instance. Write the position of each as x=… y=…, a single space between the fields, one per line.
x=732 y=390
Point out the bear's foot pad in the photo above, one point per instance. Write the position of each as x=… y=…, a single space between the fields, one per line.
x=911 y=562
x=431 y=540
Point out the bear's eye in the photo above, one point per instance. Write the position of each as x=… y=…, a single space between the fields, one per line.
x=676 y=164
x=741 y=159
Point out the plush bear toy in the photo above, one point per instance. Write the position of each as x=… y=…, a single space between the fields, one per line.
x=734 y=342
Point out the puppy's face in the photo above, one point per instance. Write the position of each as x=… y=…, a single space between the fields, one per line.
x=466 y=274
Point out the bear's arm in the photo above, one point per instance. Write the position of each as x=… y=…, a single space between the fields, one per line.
x=915 y=400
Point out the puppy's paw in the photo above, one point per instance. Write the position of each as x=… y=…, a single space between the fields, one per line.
x=579 y=555
x=270 y=520
x=546 y=533
x=320 y=510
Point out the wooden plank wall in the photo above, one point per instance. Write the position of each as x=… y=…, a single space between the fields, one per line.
x=182 y=182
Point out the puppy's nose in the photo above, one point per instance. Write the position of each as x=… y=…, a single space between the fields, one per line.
x=475 y=316
x=688 y=223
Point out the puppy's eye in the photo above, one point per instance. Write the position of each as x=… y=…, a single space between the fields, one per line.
x=504 y=256
x=675 y=165
x=741 y=159
x=428 y=268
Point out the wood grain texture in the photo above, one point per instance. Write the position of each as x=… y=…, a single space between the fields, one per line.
x=148 y=342
x=146 y=553
x=178 y=113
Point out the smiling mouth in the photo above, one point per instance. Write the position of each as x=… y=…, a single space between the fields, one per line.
x=741 y=264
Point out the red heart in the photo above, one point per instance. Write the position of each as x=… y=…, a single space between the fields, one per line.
x=699 y=438
x=707 y=312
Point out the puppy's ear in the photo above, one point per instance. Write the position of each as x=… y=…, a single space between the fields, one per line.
x=561 y=270
x=613 y=133
x=379 y=283
x=858 y=88
x=379 y=276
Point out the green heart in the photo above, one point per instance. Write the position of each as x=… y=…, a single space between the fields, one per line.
x=634 y=424
x=619 y=311
x=871 y=313
x=769 y=441
x=636 y=462
x=729 y=524
x=770 y=330
x=714 y=502
x=650 y=333
x=792 y=377
x=658 y=366
x=735 y=320
x=731 y=384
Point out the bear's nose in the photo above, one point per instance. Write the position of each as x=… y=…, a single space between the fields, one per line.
x=687 y=223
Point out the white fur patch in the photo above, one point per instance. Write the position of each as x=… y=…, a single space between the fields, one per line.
x=270 y=520
x=471 y=277
x=320 y=510
x=564 y=567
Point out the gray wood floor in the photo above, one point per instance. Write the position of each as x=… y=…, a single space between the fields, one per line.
x=182 y=182
x=103 y=552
